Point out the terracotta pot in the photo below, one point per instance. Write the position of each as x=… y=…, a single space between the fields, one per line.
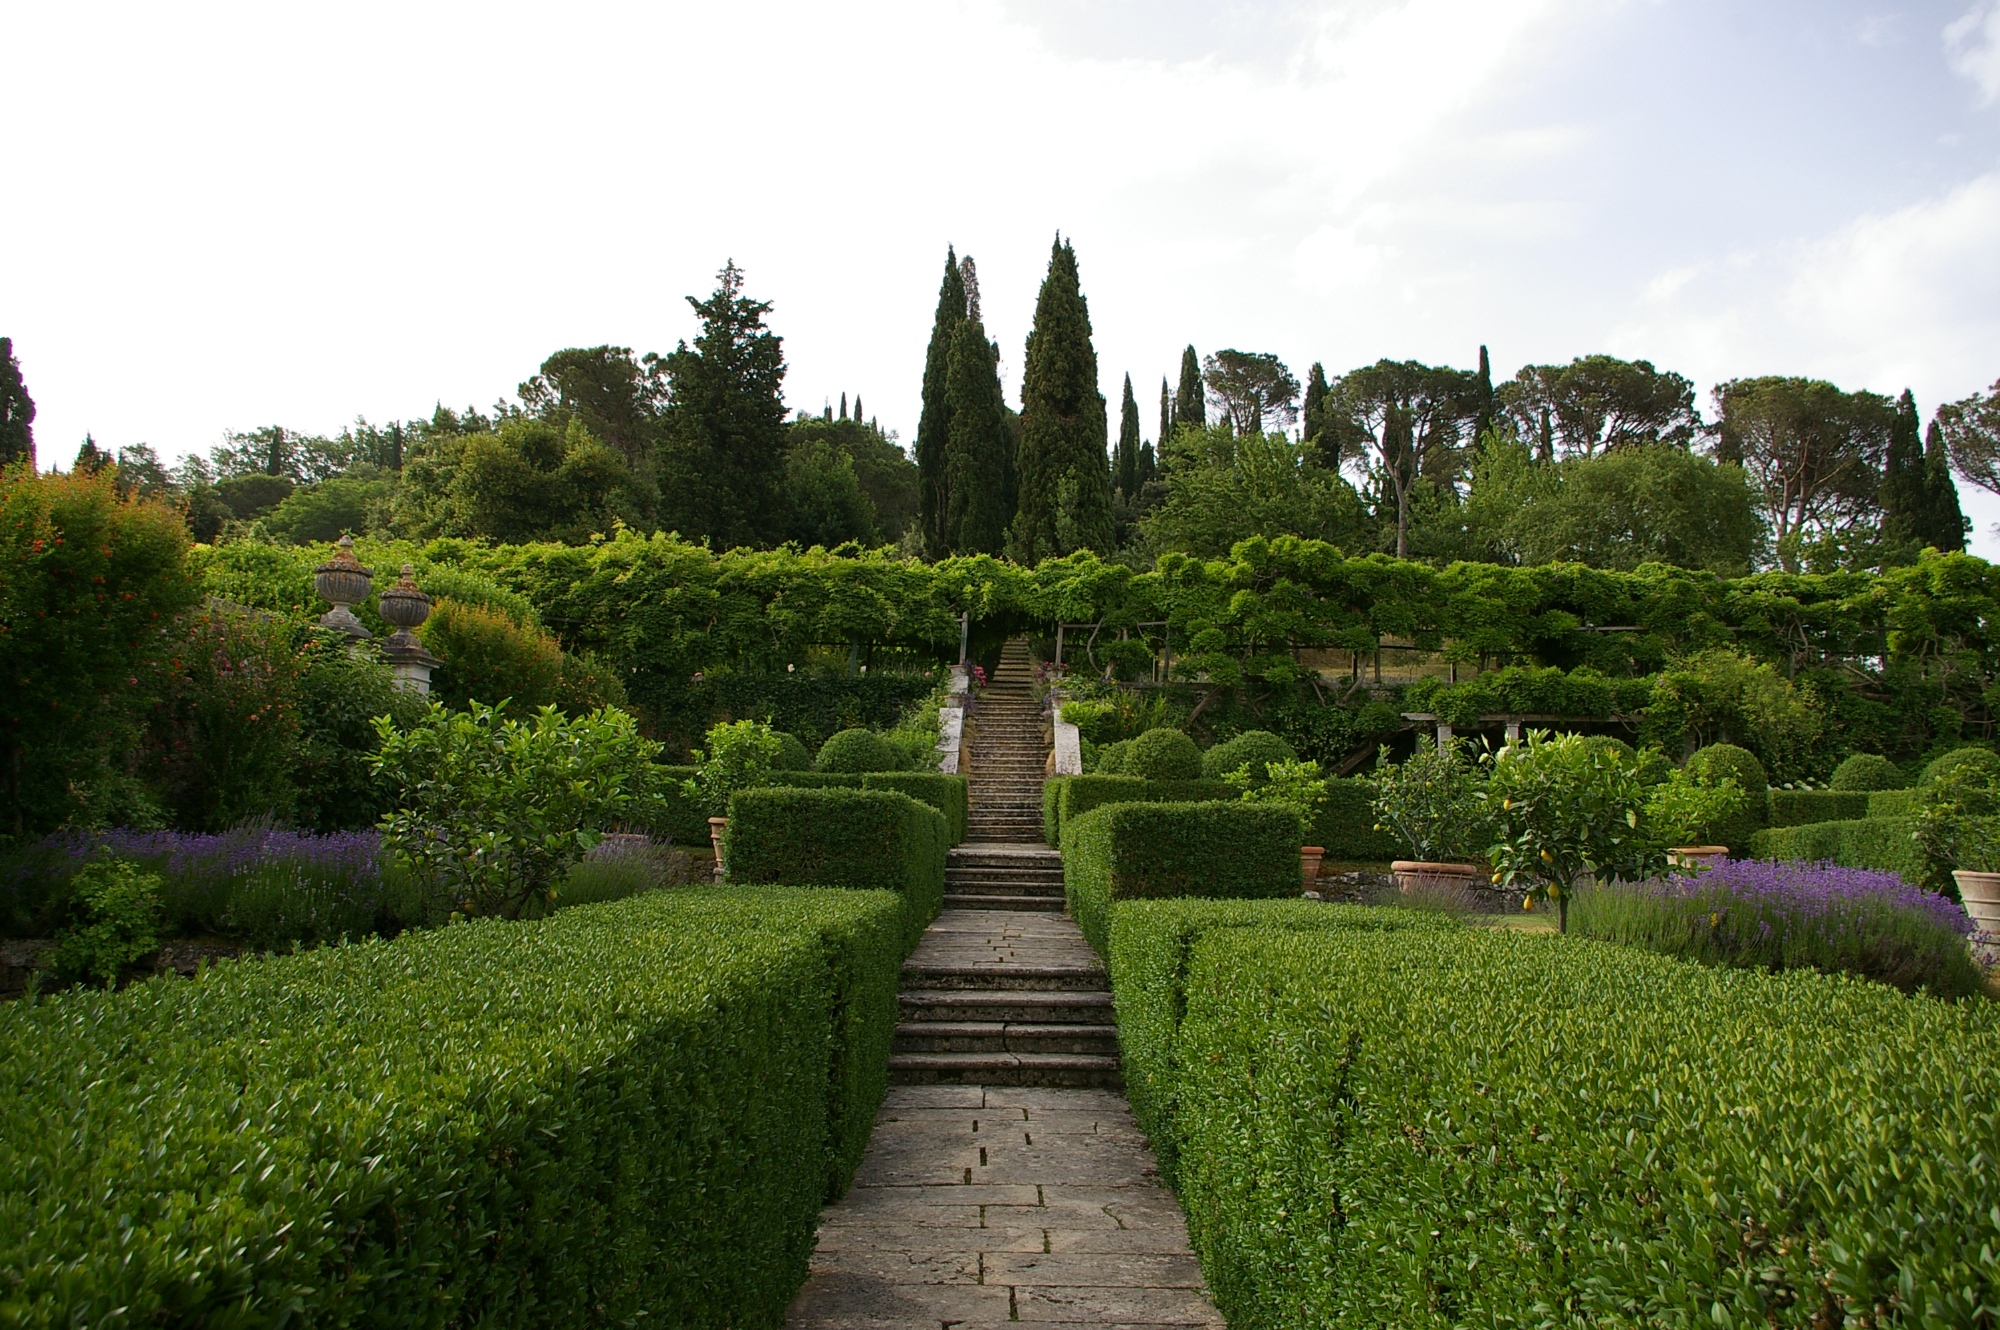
x=1309 y=857
x=1415 y=874
x=1697 y=857
x=715 y=827
x=1980 y=893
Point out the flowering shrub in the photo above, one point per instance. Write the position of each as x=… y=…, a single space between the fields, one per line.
x=265 y=887
x=1787 y=915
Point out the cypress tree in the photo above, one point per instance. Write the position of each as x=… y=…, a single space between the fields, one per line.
x=1190 y=406
x=976 y=451
x=1148 y=465
x=17 y=410
x=857 y=407
x=1945 y=527
x=1315 y=421
x=1902 y=493
x=934 y=420
x=1065 y=476
x=843 y=406
x=1483 y=408
x=1125 y=462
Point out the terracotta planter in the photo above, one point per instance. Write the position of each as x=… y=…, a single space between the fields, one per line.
x=1697 y=857
x=715 y=828
x=1980 y=893
x=1309 y=857
x=1416 y=875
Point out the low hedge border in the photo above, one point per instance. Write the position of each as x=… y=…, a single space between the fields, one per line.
x=1368 y=1137
x=1871 y=842
x=1234 y=851
x=862 y=839
x=1148 y=960
x=1798 y=808
x=627 y=1111
x=687 y=824
x=1344 y=825
x=1893 y=803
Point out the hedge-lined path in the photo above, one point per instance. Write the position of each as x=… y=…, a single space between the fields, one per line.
x=1005 y=1181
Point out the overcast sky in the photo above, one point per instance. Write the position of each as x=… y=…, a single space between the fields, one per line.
x=217 y=217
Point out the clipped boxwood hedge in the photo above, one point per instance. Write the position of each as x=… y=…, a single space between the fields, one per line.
x=683 y=818
x=1344 y=826
x=1072 y=796
x=1894 y=803
x=626 y=1112
x=950 y=795
x=1871 y=842
x=1230 y=851
x=1148 y=959
x=879 y=839
x=1798 y=808
x=1367 y=1137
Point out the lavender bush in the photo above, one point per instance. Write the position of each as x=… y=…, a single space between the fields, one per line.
x=1758 y=914
x=268 y=888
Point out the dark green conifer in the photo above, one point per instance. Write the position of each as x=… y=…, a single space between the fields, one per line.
x=1125 y=461
x=976 y=451
x=1946 y=524
x=934 y=419
x=1482 y=417
x=1315 y=421
x=90 y=459
x=1904 y=500
x=1148 y=464
x=843 y=406
x=1190 y=404
x=17 y=410
x=1065 y=474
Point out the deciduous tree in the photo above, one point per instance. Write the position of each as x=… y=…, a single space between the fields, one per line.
x=1252 y=389
x=618 y=400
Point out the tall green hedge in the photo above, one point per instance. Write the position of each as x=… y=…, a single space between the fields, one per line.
x=1072 y=796
x=1344 y=826
x=1893 y=803
x=1367 y=1137
x=626 y=1112
x=1148 y=959
x=879 y=839
x=1797 y=808
x=685 y=821
x=1230 y=851
x=1871 y=842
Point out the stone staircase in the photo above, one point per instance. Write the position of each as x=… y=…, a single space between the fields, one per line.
x=1003 y=990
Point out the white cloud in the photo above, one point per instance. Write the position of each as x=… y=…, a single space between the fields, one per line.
x=1972 y=44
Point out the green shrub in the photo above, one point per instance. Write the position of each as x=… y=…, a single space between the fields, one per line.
x=792 y=754
x=1111 y=758
x=1228 y=851
x=864 y=839
x=1259 y=748
x=1346 y=826
x=950 y=795
x=1985 y=759
x=333 y=766
x=1072 y=796
x=223 y=739
x=1563 y=810
x=491 y=812
x=1893 y=803
x=736 y=755
x=490 y=658
x=679 y=815
x=1432 y=801
x=1148 y=960
x=1796 y=808
x=855 y=751
x=1366 y=1137
x=628 y=1111
x=1719 y=762
x=1867 y=771
x=114 y=921
x=1886 y=843
x=585 y=684
x=1163 y=754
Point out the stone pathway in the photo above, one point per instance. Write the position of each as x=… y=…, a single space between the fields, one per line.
x=1005 y=1181
x=985 y=1206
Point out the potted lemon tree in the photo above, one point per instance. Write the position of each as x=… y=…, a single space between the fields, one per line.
x=1432 y=801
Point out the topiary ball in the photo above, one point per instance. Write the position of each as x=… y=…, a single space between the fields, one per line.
x=1719 y=762
x=1607 y=743
x=1163 y=754
x=1867 y=771
x=1983 y=758
x=1111 y=758
x=792 y=754
x=1259 y=748
x=1654 y=766
x=855 y=750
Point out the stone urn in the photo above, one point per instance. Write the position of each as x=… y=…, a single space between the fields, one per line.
x=343 y=583
x=1697 y=858
x=406 y=606
x=1980 y=894
x=1414 y=875
x=716 y=826
x=1309 y=861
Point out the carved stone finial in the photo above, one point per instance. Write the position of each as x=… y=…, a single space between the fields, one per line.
x=343 y=583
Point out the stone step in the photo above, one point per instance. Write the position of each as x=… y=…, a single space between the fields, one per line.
x=1049 y=904
x=976 y=856
x=973 y=879
x=1004 y=1037
x=1030 y=1069
x=973 y=1004
x=1007 y=977
x=1041 y=888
